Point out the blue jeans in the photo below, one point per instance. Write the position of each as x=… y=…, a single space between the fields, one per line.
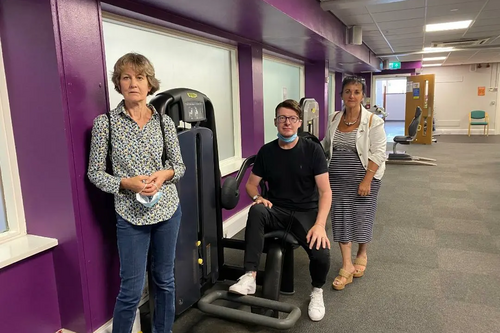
x=133 y=245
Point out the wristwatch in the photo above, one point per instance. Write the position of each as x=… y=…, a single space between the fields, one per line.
x=255 y=197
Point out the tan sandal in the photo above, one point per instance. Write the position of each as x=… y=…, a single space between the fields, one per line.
x=360 y=262
x=342 y=274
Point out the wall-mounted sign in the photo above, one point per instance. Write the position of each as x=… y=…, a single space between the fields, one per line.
x=395 y=65
x=416 y=90
x=481 y=91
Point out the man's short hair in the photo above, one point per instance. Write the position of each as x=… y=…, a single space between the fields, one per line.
x=289 y=104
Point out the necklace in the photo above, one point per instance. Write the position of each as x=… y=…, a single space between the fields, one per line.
x=350 y=123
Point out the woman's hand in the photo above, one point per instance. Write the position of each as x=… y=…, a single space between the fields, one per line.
x=156 y=180
x=136 y=184
x=364 y=188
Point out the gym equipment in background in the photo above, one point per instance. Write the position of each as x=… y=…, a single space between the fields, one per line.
x=401 y=157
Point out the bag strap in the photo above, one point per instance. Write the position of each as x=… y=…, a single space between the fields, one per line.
x=335 y=115
x=163 y=153
x=370 y=123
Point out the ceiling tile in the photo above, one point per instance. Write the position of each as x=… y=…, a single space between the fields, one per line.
x=370 y=27
x=358 y=20
x=492 y=4
x=405 y=36
x=463 y=7
x=407 y=14
x=410 y=30
x=432 y=19
x=409 y=4
x=408 y=41
x=414 y=57
x=401 y=24
x=433 y=3
x=482 y=22
x=491 y=29
x=480 y=35
x=489 y=14
x=439 y=37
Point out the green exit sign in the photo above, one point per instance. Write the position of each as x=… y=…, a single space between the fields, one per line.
x=395 y=65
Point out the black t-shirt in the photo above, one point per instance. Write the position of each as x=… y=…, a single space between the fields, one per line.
x=290 y=173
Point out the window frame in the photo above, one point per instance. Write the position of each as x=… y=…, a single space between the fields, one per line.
x=228 y=165
x=9 y=171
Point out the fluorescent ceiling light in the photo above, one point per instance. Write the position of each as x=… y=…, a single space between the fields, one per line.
x=437 y=49
x=431 y=65
x=434 y=58
x=448 y=26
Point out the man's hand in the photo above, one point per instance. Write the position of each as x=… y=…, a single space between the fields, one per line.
x=317 y=235
x=261 y=200
x=364 y=188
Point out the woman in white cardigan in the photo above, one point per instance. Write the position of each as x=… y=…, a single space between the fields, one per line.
x=356 y=145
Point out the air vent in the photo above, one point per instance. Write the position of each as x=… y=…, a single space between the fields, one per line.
x=460 y=42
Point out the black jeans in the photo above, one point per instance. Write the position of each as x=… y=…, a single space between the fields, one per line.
x=262 y=219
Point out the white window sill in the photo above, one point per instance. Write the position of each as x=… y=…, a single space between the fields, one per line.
x=22 y=247
x=230 y=165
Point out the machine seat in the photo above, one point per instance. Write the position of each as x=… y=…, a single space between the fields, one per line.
x=402 y=139
x=281 y=234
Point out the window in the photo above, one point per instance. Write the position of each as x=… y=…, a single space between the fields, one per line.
x=282 y=80
x=12 y=222
x=331 y=93
x=182 y=60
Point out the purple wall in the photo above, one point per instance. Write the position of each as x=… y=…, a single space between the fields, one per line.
x=41 y=135
x=21 y=313
x=316 y=87
x=338 y=90
x=251 y=112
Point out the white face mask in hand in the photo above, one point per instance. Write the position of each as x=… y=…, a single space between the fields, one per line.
x=148 y=201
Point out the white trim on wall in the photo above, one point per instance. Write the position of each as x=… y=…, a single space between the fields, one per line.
x=9 y=171
x=235 y=223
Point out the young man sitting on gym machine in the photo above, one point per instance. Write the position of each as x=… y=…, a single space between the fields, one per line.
x=298 y=200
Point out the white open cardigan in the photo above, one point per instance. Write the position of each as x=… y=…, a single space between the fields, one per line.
x=371 y=141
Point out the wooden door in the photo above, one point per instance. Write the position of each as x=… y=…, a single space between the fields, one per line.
x=420 y=92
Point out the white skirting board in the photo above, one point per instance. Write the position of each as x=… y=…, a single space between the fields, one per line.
x=235 y=223
x=462 y=131
x=108 y=327
x=231 y=227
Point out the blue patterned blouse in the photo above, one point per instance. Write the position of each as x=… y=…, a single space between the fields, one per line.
x=135 y=152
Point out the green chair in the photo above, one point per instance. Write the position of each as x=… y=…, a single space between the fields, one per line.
x=479 y=117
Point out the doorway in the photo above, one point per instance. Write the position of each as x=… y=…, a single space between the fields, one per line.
x=390 y=93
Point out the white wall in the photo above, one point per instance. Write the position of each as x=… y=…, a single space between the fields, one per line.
x=456 y=94
x=282 y=80
x=395 y=105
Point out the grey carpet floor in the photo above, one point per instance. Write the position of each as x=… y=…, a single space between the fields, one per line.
x=434 y=263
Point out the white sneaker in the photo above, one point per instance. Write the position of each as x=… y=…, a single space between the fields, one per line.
x=316 y=309
x=246 y=285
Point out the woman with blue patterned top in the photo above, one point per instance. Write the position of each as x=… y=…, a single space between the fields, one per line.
x=143 y=183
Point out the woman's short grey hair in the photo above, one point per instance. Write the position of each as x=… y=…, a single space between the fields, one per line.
x=140 y=64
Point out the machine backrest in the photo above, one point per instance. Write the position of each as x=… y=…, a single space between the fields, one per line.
x=413 y=128
x=477 y=114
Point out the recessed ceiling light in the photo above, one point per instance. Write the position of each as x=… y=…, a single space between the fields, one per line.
x=448 y=26
x=437 y=49
x=453 y=10
x=431 y=65
x=433 y=58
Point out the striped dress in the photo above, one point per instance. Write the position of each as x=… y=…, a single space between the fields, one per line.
x=352 y=215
